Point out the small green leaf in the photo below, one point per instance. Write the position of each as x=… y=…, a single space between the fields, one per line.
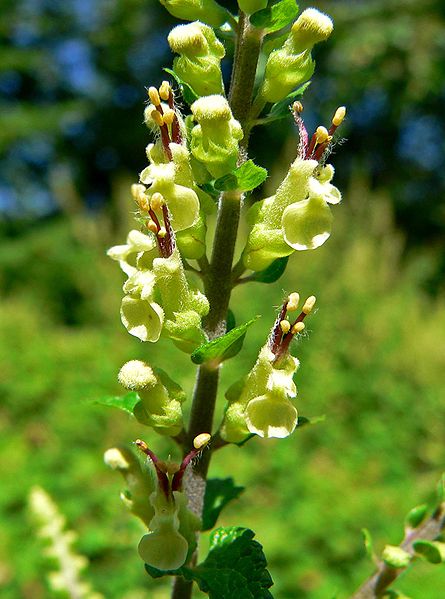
x=272 y=273
x=416 y=515
x=303 y=421
x=393 y=594
x=222 y=348
x=246 y=177
x=123 y=402
x=369 y=546
x=280 y=110
x=432 y=551
x=234 y=567
x=187 y=92
x=219 y=491
x=275 y=16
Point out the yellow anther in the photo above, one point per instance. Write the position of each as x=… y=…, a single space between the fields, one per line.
x=157 y=117
x=153 y=94
x=297 y=328
x=339 y=115
x=309 y=304
x=285 y=326
x=137 y=191
x=293 y=301
x=164 y=90
x=201 y=440
x=157 y=201
x=169 y=116
x=321 y=134
x=297 y=106
x=151 y=226
x=162 y=232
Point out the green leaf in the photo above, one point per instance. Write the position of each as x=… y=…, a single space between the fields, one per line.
x=123 y=402
x=219 y=491
x=187 y=92
x=303 y=421
x=234 y=567
x=272 y=273
x=416 y=515
x=246 y=177
x=275 y=16
x=280 y=110
x=224 y=347
x=369 y=545
x=432 y=551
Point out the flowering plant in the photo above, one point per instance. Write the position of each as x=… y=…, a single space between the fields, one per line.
x=198 y=165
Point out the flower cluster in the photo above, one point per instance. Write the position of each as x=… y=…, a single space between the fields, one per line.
x=298 y=216
x=261 y=403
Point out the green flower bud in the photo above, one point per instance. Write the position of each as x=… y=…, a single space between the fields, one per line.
x=199 y=60
x=215 y=138
x=292 y=65
x=251 y=6
x=140 y=480
x=396 y=557
x=206 y=11
x=261 y=403
x=136 y=375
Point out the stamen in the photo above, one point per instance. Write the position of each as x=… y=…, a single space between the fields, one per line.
x=321 y=135
x=153 y=94
x=193 y=454
x=169 y=116
x=162 y=232
x=157 y=117
x=200 y=441
x=297 y=109
x=151 y=226
x=297 y=328
x=337 y=119
x=157 y=201
x=162 y=477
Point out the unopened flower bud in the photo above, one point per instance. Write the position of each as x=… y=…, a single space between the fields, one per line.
x=199 y=60
x=311 y=27
x=136 y=375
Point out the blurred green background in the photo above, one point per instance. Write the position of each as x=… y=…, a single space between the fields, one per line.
x=72 y=77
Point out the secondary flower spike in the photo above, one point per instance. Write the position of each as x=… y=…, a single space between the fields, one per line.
x=173 y=527
x=261 y=403
x=298 y=216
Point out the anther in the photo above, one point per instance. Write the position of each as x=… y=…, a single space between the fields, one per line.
x=151 y=226
x=162 y=232
x=321 y=135
x=297 y=107
x=169 y=116
x=153 y=94
x=309 y=304
x=339 y=115
x=285 y=326
x=157 y=201
x=157 y=117
x=164 y=90
x=200 y=441
x=293 y=301
x=297 y=328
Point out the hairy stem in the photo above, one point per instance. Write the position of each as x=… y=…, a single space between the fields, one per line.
x=218 y=273
x=379 y=582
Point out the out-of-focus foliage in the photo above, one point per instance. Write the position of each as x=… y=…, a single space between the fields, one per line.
x=373 y=365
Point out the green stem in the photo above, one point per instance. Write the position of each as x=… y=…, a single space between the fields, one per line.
x=218 y=274
x=378 y=583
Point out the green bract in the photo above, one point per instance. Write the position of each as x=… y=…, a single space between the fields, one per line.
x=207 y=11
x=260 y=404
x=292 y=65
x=214 y=140
x=199 y=60
x=297 y=217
